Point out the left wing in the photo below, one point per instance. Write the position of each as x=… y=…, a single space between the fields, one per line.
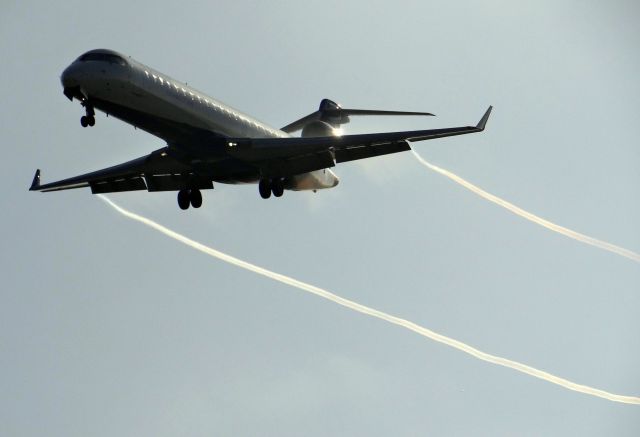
x=267 y=151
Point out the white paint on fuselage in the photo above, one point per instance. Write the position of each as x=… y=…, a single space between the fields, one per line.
x=187 y=105
x=143 y=89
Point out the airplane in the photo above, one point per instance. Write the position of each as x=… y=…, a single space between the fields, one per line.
x=208 y=141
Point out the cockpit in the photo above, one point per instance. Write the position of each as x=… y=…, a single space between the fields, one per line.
x=103 y=56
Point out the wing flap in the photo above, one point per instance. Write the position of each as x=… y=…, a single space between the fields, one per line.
x=298 y=164
x=118 y=185
x=175 y=182
x=364 y=152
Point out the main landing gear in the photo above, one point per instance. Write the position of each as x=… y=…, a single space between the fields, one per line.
x=268 y=186
x=87 y=120
x=90 y=118
x=189 y=197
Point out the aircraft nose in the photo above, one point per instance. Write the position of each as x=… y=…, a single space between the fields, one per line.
x=70 y=77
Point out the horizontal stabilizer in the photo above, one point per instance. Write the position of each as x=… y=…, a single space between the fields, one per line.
x=333 y=114
x=341 y=111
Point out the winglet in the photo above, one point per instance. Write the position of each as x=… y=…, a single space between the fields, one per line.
x=35 y=185
x=483 y=121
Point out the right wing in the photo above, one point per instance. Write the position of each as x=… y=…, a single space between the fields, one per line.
x=157 y=171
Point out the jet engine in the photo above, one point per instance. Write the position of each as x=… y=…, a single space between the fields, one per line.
x=317 y=128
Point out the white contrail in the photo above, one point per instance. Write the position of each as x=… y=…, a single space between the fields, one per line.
x=529 y=216
x=375 y=313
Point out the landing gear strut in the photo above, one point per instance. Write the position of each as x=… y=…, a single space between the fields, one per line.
x=189 y=197
x=89 y=119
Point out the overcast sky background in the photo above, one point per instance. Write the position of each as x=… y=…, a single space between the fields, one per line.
x=109 y=328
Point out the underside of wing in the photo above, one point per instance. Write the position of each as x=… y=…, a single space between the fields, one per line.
x=290 y=155
x=157 y=171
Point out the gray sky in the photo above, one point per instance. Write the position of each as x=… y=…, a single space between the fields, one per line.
x=109 y=328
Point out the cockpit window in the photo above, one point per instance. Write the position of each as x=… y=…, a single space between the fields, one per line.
x=103 y=57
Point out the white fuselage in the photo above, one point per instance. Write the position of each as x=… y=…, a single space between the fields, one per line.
x=158 y=94
x=147 y=93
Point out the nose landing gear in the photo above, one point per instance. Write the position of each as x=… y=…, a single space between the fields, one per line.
x=89 y=119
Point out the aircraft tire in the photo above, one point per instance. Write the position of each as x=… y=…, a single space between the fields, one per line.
x=91 y=120
x=183 y=199
x=277 y=187
x=264 y=187
x=84 y=121
x=195 y=197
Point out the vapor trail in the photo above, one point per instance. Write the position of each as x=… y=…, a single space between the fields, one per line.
x=375 y=313
x=529 y=216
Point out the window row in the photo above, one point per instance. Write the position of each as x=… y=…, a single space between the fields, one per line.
x=163 y=82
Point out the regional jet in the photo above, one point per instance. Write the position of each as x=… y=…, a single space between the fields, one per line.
x=208 y=141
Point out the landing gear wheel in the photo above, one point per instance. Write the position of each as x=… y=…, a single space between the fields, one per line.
x=89 y=118
x=264 y=187
x=195 y=196
x=183 y=199
x=277 y=187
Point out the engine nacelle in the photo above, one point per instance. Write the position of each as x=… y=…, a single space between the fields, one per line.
x=318 y=129
x=315 y=180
